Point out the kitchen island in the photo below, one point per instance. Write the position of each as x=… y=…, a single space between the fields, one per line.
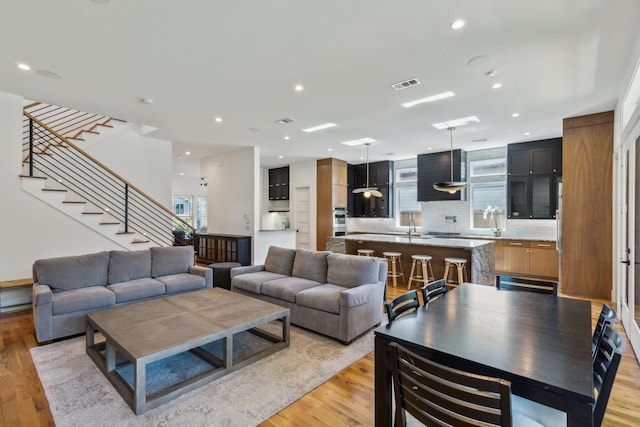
x=480 y=254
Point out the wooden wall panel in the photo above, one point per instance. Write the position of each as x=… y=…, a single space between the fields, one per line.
x=587 y=177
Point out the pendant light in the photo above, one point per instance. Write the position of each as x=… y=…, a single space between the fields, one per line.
x=368 y=191
x=450 y=186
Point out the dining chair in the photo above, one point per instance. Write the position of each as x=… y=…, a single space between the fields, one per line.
x=437 y=395
x=433 y=290
x=401 y=304
x=605 y=366
x=607 y=317
x=522 y=284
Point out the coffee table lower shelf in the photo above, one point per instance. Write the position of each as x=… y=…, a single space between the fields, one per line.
x=128 y=372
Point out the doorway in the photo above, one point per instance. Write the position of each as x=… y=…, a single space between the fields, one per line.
x=303 y=218
x=629 y=267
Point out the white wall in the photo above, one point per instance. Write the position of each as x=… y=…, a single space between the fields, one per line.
x=233 y=191
x=145 y=162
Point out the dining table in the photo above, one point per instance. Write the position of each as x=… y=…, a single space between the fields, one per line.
x=540 y=343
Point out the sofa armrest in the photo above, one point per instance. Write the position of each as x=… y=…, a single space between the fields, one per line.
x=205 y=272
x=41 y=294
x=359 y=295
x=236 y=271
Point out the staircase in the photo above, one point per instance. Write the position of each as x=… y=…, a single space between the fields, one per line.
x=62 y=175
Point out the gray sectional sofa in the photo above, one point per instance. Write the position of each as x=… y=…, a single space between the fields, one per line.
x=65 y=289
x=335 y=294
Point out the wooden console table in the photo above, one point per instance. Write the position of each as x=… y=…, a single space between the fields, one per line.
x=211 y=248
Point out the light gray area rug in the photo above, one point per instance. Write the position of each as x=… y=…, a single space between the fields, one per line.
x=80 y=395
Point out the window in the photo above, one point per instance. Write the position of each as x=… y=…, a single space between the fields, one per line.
x=183 y=207
x=488 y=188
x=407 y=205
x=201 y=214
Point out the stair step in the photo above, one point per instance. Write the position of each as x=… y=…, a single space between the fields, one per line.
x=126 y=232
x=92 y=213
x=55 y=189
x=140 y=241
x=34 y=176
x=109 y=223
x=75 y=139
x=74 y=201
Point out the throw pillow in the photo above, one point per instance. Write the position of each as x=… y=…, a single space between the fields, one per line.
x=171 y=260
x=351 y=270
x=73 y=272
x=310 y=265
x=129 y=265
x=279 y=260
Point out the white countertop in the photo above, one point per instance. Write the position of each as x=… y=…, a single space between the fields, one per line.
x=421 y=241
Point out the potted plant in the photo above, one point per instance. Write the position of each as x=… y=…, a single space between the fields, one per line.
x=492 y=211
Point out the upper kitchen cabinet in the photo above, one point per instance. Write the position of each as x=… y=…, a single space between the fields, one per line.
x=436 y=167
x=534 y=169
x=380 y=177
x=279 y=183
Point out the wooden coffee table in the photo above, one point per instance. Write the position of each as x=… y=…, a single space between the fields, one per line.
x=146 y=332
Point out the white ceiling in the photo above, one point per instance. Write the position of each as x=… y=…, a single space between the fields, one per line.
x=241 y=59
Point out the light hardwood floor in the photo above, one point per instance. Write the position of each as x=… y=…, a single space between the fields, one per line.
x=344 y=400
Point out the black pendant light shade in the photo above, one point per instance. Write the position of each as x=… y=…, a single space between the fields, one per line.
x=368 y=191
x=450 y=186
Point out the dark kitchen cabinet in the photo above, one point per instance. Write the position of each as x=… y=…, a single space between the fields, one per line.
x=436 y=167
x=380 y=177
x=534 y=169
x=279 y=183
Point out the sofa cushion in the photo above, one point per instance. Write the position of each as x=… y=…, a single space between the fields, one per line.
x=181 y=282
x=137 y=289
x=83 y=299
x=323 y=298
x=287 y=288
x=129 y=265
x=351 y=270
x=310 y=265
x=252 y=282
x=171 y=260
x=279 y=260
x=73 y=272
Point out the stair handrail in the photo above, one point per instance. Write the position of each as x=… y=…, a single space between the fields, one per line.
x=110 y=171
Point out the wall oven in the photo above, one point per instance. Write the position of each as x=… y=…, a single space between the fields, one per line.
x=339 y=222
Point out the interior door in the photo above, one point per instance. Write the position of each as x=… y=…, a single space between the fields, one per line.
x=303 y=218
x=629 y=310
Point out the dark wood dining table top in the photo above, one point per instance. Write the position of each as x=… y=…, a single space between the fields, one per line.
x=539 y=341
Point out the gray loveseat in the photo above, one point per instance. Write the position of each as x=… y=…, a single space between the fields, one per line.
x=65 y=289
x=335 y=294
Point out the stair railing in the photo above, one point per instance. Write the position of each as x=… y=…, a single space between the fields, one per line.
x=51 y=154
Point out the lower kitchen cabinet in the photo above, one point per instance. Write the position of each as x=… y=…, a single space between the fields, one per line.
x=527 y=258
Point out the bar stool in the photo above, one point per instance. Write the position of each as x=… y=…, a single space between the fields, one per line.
x=459 y=264
x=424 y=270
x=365 y=252
x=395 y=266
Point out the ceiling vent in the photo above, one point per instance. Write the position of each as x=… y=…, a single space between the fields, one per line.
x=284 y=121
x=405 y=84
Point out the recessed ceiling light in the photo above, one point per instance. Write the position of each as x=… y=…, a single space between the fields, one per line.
x=319 y=127
x=515 y=115
x=496 y=86
x=527 y=133
x=358 y=141
x=280 y=157
x=188 y=153
x=330 y=149
x=299 y=88
x=218 y=119
x=430 y=148
x=457 y=24
x=24 y=67
x=361 y=157
x=49 y=74
x=181 y=173
x=287 y=138
x=456 y=122
x=432 y=98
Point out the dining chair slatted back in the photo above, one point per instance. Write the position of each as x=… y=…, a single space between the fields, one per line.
x=605 y=367
x=433 y=290
x=522 y=284
x=401 y=304
x=435 y=394
x=607 y=317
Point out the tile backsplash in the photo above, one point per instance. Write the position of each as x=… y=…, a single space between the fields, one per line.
x=436 y=216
